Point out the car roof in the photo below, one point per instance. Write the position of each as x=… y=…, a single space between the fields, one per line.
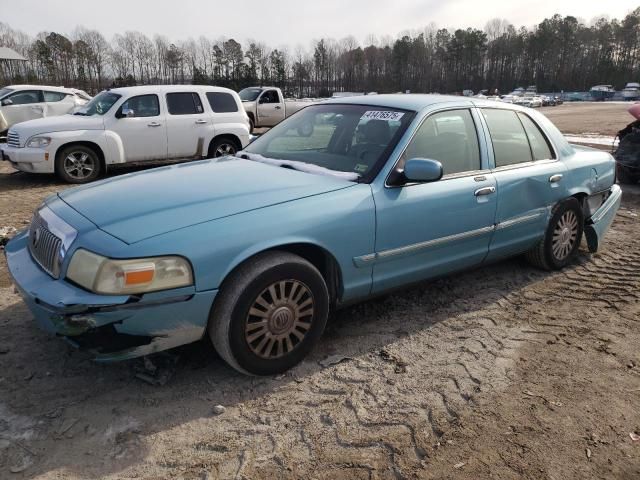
x=142 y=89
x=40 y=87
x=418 y=101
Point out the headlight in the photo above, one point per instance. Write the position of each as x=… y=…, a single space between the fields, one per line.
x=39 y=142
x=119 y=277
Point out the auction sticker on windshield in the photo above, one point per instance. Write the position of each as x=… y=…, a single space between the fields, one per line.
x=381 y=115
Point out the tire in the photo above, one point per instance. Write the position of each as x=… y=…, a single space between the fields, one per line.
x=78 y=164
x=222 y=147
x=562 y=238
x=234 y=327
x=624 y=176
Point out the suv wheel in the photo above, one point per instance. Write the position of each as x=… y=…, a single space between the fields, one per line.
x=223 y=147
x=269 y=313
x=78 y=164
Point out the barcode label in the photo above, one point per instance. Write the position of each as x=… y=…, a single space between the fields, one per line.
x=381 y=115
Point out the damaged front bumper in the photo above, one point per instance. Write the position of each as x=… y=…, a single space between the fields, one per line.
x=598 y=224
x=112 y=327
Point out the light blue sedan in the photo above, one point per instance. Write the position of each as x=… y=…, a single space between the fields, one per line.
x=342 y=201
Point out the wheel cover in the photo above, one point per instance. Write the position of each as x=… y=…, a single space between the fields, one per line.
x=79 y=165
x=565 y=235
x=224 y=149
x=279 y=319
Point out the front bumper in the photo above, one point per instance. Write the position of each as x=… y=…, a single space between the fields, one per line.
x=35 y=160
x=598 y=224
x=112 y=327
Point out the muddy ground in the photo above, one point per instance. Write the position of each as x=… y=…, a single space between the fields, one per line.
x=503 y=372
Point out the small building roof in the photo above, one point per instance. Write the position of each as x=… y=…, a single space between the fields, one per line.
x=7 y=53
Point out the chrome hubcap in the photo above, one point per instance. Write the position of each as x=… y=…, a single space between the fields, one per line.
x=224 y=149
x=565 y=235
x=78 y=165
x=279 y=319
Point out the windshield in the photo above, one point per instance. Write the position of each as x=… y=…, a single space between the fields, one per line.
x=5 y=91
x=342 y=138
x=99 y=105
x=249 y=94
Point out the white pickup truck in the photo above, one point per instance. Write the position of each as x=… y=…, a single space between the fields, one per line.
x=132 y=124
x=266 y=106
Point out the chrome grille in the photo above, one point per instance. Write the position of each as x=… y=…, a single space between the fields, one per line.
x=44 y=247
x=13 y=139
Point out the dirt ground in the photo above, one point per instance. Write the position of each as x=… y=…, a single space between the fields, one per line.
x=504 y=372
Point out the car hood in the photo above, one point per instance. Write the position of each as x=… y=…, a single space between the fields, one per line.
x=144 y=204
x=58 y=124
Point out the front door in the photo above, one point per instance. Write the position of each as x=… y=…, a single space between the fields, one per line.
x=425 y=230
x=23 y=105
x=141 y=125
x=530 y=180
x=270 y=108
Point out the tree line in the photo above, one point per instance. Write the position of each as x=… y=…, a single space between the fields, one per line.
x=560 y=53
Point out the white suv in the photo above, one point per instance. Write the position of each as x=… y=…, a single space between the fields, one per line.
x=19 y=103
x=132 y=124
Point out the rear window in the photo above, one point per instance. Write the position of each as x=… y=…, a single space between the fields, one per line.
x=222 y=102
x=53 y=96
x=510 y=144
x=539 y=143
x=184 y=103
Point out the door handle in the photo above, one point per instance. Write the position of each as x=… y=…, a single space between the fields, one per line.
x=278 y=107
x=201 y=122
x=555 y=178
x=485 y=191
x=153 y=124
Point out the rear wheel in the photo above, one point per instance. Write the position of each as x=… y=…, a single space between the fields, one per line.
x=78 y=164
x=269 y=313
x=222 y=147
x=562 y=238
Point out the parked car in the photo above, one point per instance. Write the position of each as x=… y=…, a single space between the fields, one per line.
x=19 y=103
x=254 y=252
x=266 y=106
x=133 y=124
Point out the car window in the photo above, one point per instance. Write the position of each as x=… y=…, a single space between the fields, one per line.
x=449 y=137
x=53 y=96
x=142 y=106
x=539 y=143
x=25 y=97
x=270 y=96
x=222 y=102
x=184 y=103
x=510 y=143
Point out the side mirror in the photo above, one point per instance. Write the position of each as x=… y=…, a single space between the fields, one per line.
x=7 y=101
x=127 y=113
x=422 y=170
x=263 y=99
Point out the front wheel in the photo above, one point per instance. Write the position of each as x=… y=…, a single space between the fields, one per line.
x=78 y=164
x=562 y=238
x=269 y=313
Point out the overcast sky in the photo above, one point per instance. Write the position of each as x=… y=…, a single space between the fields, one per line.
x=288 y=22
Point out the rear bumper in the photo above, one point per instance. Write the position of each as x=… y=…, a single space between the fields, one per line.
x=35 y=160
x=111 y=327
x=597 y=226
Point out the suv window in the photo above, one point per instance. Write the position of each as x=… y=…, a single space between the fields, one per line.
x=222 y=102
x=510 y=143
x=142 y=106
x=539 y=143
x=449 y=137
x=184 y=103
x=270 y=96
x=25 y=97
x=53 y=96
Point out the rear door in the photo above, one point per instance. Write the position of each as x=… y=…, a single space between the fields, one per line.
x=270 y=108
x=57 y=103
x=428 y=229
x=530 y=179
x=187 y=125
x=140 y=122
x=25 y=105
